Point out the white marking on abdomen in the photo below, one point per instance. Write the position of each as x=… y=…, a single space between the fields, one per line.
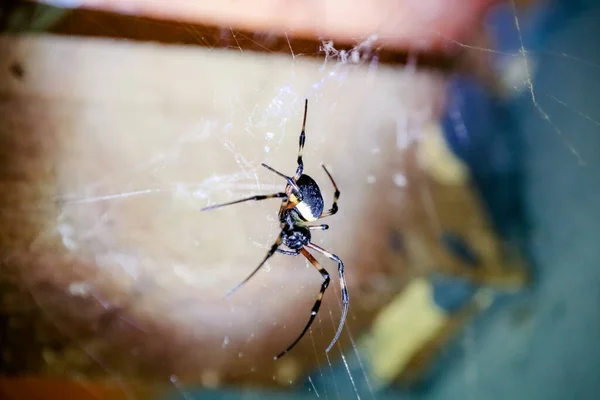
x=305 y=211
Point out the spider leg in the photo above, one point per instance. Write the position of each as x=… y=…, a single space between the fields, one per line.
x=289 y=252
x=336 y=196
x=271 y=251
x=323 y=227
x=300 y=168
x=344 y=290
x=251 y=198
x=290 y=181
x=317 y=304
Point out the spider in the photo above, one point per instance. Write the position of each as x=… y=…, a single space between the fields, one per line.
x=302 y=203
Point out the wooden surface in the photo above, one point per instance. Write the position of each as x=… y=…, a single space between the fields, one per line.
x=422 y=25
x=66 y=389
x=109 y=149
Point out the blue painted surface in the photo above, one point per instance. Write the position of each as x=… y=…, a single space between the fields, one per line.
x=452 y=294
x=544 y=343
x=484 y=132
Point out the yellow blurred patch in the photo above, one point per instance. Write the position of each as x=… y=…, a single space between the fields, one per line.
x=436 y=157
x=402 y=329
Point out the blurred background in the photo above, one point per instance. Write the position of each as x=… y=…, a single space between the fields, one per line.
x=468 y=160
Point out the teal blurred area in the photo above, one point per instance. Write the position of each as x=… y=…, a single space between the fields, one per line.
x=535 y=157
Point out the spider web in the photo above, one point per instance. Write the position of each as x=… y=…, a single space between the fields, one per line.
x=560 y=130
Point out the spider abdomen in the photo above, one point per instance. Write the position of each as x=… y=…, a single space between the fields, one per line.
x=311 y=206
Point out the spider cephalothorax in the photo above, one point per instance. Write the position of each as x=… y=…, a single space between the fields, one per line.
x=295 y=237
x=302 y=203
